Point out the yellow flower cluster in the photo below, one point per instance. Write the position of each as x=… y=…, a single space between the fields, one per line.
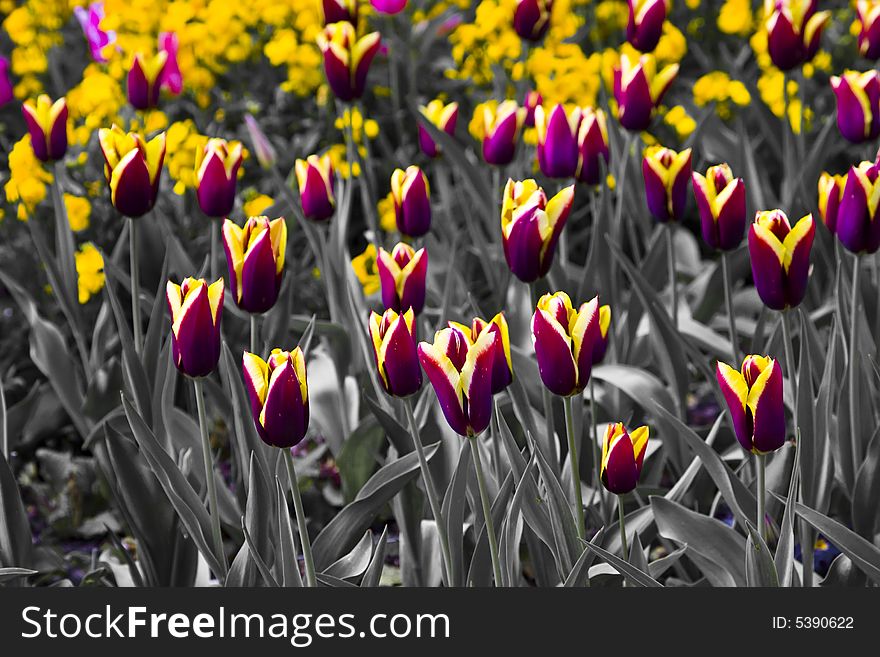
x=678 y=118
x=79 y=210
x=364 y=266
x=89 y=270
x=35 y=28
x=94 y=103
x=736 y=17
x=27 y=179
x=359 y=127
x=256 y=204
x=717 y=87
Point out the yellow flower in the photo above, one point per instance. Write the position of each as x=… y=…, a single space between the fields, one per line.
x=78 y=212
x=679 y=119
x=387 y=215
x=364 y=266
x=27 y=179
x=183 y=141
x=340 y=163
x=90 y=271
x=736 y=17
x=359 y=127
x=256 y=206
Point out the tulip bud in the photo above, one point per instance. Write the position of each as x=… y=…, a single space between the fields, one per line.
x=444 y=117
x=622 y=456
x=502 y=366
x=531 y=102
x=500 y=127
x=402 y=275
x=217 y=165
x=347 y=59
x=754 y=399
x=830 y=196
x=171 y=77
x=255 y=257
x=858 y=227
x=721 y=200
x=90 y=21
x=645 y=24
x=279 y=395
x=794 y=29
x=412 y=201
x=666 y=174
x=531 y=19
x=780 y=255
x=601 y=344
x=592 y=146
x=388 y=6
x=869 y=28
x=340 y=11
x=133 y=168
x=261 y=145
x=394 y=348
x=145 y=80
x=858 y=105
x=566 y=340
x=530 y=227
x=639 y=88
x=557 y=141
x=47 y=124
x=195 y=308
x=460 y=371
x=314 y=176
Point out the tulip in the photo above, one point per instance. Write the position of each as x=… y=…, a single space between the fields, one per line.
x=195 y=308
x=279 y=395
x=600 y=346
x=502 y=367
x=460 y=372
x=592 y=146
x=794 y=29
x=638 y=89
x=217 y=166
x=394 y=348
x=501 y=126
x=255 y=257
x=412 y=201
x=754 y=399
x=557 y=141
x=780 y=255
x=402 y=275
x=721 y=200
x=531 y=19
x=858 y=226
x=444 y=117
x=314 y=176
x=263 y=148
x=347 y=59
x=90 y=22
x=530 y=227
x=171 y=77
x=666 y=174
x=388 y=6
x=145 y=80
x=340 y=11
x=6 y=89
x=858 y=105
x=47 y=124
x=566 y=341
x=645 y=24
x=830 y=195
x=622 y=456
x=531 y=102
x=132 y=167
x=869 y=28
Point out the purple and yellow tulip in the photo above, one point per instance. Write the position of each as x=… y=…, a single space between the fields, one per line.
x=217 y=165
x=666 y=175
x=869 y=28
x=600 y=346
x=780 y=255
x=412 y=201
x=394 y=347
x=645 y=24
x=592 y=146
x=145 y=80
x=260 y=143
x=133 y=168
x=858 y=105
x=531 y=19
x=557 y=140
x=196 y=309
x=340 y=11
x=638 y=89
x=347 y=59
x=171 y=78
x=501 y=125
x=721 y=200
x=830 y=195
x=402 y=275
x=314 y=176
x=7 y=92
x=858 y=226
x=754 y=398
x=444 y=116
x=794 y=29
x=530 y=227
x=502 y=367
x=531 y=102
x=623 y=454
x=47 y=124
x=255 y=257
x=89 y=19
x=279 y=395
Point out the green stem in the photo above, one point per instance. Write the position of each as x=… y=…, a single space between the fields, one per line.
x=575 y=469
x=255 y=335
x=210 y=483
x=670 y=253
x=760 y=463
x=731 y=318
x=496 y=441
x=597 y=453
x=487 y=512
x=853 y=367
x=301 y=527
x=621 y=518
x=133 y=254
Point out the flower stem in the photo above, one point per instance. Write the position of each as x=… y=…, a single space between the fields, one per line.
x=133 y=252
x=731 y=318
x=575 y=469
x=853 y=368
x=210 y=484
x=597 y=453
x=300 y=520
x=760 y=462
x=496 y=441
x=255 y=335
x=670 y=253
x=215 y=248
x=487 y=512
x=624 y=551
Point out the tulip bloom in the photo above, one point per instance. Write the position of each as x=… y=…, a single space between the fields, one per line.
x=557 y=141
x=145 y=80
x=530 y=227
x=600 y=346
x=830 y=196
x=132 y=167
x=444 y=117
x=638 y=89
x=255 y=257
x=196 y=308
x=216 y=174
x=780 y=255
x=347 y=59
x=412 y=201
x=592 y=146
x=794 y=29
x=869 y=28
x=90 y=22
x=567 y=341
x=666 y=174
x=394 y=348
x=858 y=226
x=754 y=399
x=402 y=275
x=531 y=19
x=279 y=394
x=645 y=24
x=460 y=372
x=388 y=6
x=171 y=77
x=531 y=102
x=721 y=200
x=501 y=125
x=858 y=105
x=6 y=90
x=314 y=176
x=47 y=124
x=502 y=367
x=622 y=457
x=262 y=147
x=340 y=11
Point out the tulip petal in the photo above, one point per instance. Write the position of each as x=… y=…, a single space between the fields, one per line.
x=736 y=394
x=768 y=410
x=446 y=381
x=556 y=363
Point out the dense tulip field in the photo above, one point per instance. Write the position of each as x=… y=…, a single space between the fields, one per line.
x=439 y=293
